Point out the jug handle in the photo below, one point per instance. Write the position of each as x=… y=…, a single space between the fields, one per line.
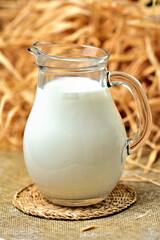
x=144 y=111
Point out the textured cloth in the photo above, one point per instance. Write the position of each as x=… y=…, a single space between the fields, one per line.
x=140 y=222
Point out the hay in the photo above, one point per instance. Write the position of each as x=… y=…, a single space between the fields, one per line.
x=130 y=32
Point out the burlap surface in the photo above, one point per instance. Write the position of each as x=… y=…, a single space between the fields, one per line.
x=129 y=224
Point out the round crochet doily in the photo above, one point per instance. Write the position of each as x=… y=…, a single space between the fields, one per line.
x=30 y=201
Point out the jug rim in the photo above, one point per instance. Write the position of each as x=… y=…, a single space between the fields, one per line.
x=34 y=49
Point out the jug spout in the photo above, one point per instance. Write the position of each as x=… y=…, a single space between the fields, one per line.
x=45 y=54
x=33 y=50
x=36 y=50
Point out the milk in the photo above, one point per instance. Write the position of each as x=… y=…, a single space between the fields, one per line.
x=74 y=140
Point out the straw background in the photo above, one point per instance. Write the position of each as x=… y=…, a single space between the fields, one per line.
x=128 y=30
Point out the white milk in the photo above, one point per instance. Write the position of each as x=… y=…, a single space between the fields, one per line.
x=74 y=140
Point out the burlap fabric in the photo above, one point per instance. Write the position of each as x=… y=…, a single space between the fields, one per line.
x=140 y=222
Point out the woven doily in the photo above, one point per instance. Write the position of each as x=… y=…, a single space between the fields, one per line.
x=30 y=201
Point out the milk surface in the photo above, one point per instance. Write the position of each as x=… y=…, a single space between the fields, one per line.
x=74 y=140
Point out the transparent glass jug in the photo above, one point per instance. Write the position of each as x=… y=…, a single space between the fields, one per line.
x=75 y=143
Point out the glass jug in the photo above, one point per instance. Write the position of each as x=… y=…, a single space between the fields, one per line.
x=75 y=143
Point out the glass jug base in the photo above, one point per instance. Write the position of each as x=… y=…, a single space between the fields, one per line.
x=75 y=202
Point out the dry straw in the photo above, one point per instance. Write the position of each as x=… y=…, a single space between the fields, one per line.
x=129 y=31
